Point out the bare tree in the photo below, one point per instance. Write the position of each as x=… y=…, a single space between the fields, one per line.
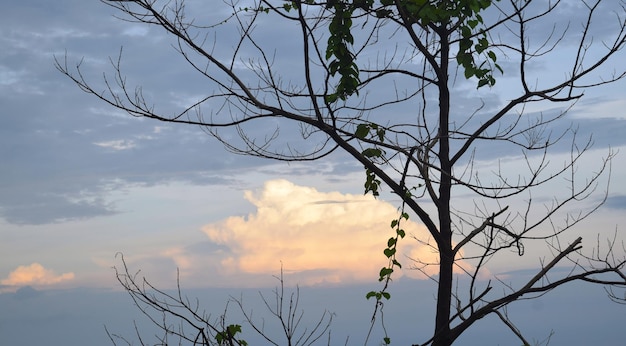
x=377 y=80
x=182 y=321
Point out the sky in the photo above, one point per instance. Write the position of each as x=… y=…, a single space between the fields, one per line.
x=82 y=182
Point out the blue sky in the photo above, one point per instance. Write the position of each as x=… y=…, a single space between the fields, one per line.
x=80 y=182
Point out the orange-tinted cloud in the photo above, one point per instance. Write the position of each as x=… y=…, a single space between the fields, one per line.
x=321 y=236
x=34 y=274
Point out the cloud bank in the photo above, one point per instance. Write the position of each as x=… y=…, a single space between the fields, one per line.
x=322 y=237
x=35 y=274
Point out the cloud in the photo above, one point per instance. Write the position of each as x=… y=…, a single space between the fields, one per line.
x=616 y=202
x=26 y=292
x=53 y=206
x=318 y=236
x=120 y=144
x=35 y=274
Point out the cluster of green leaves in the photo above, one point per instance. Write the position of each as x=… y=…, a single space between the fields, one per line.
x=225 y=337
x=476 y=42
x=292 y=5
x=371 y=130
x=372 y=183
x=385 y=272
x=365 y=130
x=473 y=38
x=374 y=133
x=390 y=251
x=339 y=42
x=338 y=48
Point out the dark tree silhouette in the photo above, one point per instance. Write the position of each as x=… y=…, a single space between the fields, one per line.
x=197 y=327
x=376 y=80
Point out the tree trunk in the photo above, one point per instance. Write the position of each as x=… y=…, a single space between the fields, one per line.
x=443 y=336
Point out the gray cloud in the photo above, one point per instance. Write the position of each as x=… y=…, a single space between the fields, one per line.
x=62 y=149
x=43 y=209
x=616 y=202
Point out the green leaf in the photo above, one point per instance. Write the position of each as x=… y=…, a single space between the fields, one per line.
x=234 y=329
x=481 y=45
x=362 y=130
x=370 y=294
x=401 y=233
x=385 y=272
x=394 y=223
x=372 y=152
x=386 y=295
x=371 y=183
x=389 y=252
x=331 y=98
x=466 y=32
x=391 y=242
x=499 y=68
x=381 y=134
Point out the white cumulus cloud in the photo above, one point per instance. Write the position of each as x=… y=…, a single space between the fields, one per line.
x=35 y=274
x=321 y=236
